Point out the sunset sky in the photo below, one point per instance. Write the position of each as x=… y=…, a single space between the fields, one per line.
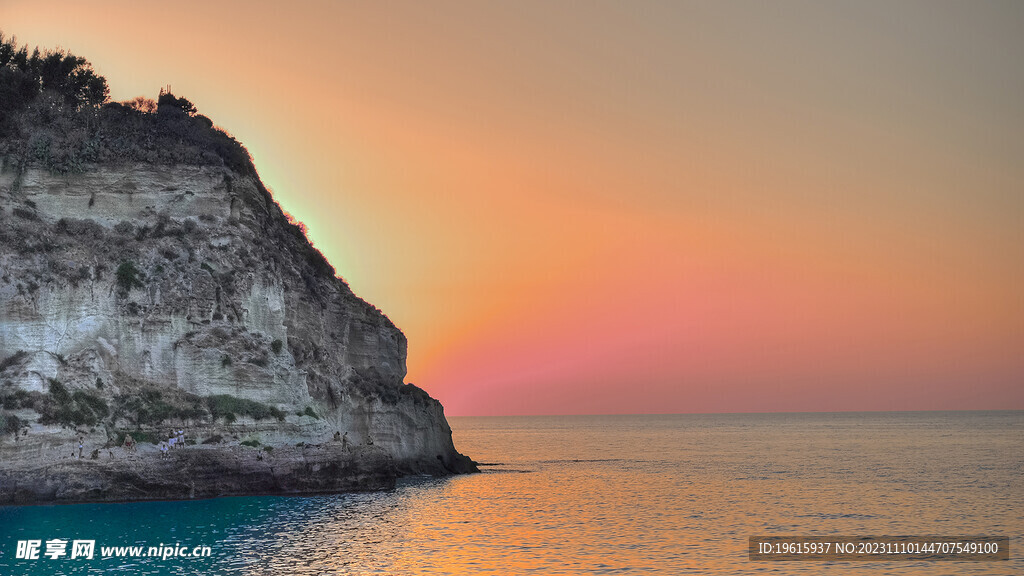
x=630 y=207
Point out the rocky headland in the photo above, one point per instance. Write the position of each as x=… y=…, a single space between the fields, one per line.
x=150 y=284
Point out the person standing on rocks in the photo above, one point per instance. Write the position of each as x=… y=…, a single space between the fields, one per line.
x=81 y=446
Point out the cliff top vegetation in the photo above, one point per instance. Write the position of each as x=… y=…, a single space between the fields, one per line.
x=55 y=112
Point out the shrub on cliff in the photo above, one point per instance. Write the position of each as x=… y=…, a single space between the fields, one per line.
x=58 y=391
x=419 y=395
x=80 y=408
x=230 y=407
x=95 y=404
x=149 y=406
x=128 y=277
x=9 y=423
x=13 y=359
x=169 y=104
x=17 y=398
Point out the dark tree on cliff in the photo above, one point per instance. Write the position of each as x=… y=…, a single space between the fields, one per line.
x=167 y=103
x=24 y=77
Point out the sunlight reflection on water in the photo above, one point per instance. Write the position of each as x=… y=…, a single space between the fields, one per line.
x=600 y=495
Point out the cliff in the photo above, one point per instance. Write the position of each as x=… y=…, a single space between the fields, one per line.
x=161 y=289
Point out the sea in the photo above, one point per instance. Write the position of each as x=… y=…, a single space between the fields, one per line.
x=653 y=494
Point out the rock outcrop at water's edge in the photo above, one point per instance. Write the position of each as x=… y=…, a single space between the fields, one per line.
x=142 y=298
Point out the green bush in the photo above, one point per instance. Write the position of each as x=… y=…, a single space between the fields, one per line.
x=150 y=406
x=128 y=277
x=59 y=392
x=310 y=412
x=80 y=408
x=276 y=346
x=9 y=423
x=16 y=399
x=230 y=407
x=24 y=213
x=12 y=359
x=95 y=404
x=252 y=443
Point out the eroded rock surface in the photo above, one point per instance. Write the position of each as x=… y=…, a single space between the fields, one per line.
x=141 y=299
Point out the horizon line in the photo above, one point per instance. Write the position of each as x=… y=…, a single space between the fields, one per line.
x=732 y=413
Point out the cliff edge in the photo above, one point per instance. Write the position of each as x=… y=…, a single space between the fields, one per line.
x=150 y=285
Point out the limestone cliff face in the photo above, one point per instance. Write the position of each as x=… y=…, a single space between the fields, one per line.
x=141 y=298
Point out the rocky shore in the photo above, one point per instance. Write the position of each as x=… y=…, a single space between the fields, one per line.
x=197 y=472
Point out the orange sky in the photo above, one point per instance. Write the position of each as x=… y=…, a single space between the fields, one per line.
x=610 y=207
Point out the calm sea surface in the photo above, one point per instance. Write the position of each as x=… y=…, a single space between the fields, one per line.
x=598 y=495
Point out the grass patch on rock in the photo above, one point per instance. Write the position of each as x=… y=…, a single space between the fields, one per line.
x=231 y=407
x=150 y=406
x=139 y=436
x=9 y=423
x=78 y=408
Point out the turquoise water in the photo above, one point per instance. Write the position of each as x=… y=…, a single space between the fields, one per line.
x=597 y=495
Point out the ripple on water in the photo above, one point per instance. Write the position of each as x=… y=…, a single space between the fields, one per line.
x=597 y=495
